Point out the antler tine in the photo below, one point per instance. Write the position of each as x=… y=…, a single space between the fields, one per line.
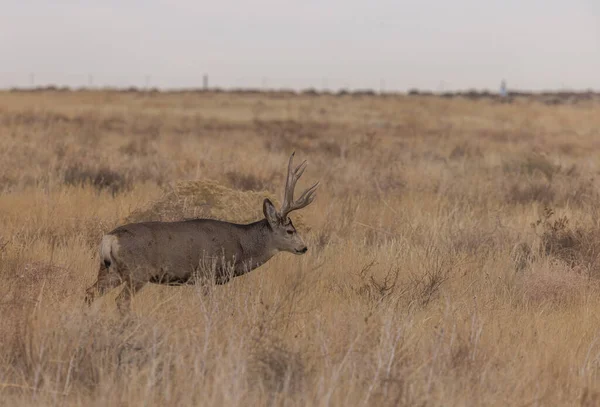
x=293 y=175
x=299 y=170
x=288 y=195
x=307 y=197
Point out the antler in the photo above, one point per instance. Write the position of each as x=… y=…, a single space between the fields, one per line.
x=307 y=196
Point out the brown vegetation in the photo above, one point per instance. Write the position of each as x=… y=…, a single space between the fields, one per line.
x=453 y=250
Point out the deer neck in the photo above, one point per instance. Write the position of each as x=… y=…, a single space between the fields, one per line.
x=256 y=245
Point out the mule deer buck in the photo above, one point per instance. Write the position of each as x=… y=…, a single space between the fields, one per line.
x=175 y=253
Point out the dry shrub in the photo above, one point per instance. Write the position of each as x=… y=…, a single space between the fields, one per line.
x=390 y=181
x=27 y=281
x=376 y=290
x=36 y=118
x=246 y=181
x=541 y=192
x=565 y=188
x=589 y=398
x=555 y=284
x=577 y=247
x=138 y=147
x=578 y=191
x=25 y=285
x=288 y=135
x=95 y=350
x=465 y=150
x=476 y=239
x=395 y=286
x=494 y=135
x=425 y=286
x=534 y=174
x=521 y=255
x=329 y=147
x=101 y=178
x=207 y=199
x=14 y=180
x=567 y=148
x=277 y=368
x=532 y=164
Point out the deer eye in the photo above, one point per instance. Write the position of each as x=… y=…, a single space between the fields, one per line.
x=290 y=232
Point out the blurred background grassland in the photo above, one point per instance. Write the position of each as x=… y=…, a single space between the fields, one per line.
x=454 y=250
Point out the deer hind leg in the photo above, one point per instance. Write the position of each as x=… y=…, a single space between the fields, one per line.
x=123 y=300
x=108 y=278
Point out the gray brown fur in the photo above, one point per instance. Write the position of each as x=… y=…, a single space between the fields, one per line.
x=182 y=252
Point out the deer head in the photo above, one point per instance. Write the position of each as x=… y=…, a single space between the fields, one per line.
x=285 y=236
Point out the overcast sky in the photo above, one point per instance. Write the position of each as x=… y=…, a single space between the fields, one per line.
x=394 y=44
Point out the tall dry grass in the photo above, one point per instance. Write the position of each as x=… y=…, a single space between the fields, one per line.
x=453 y=252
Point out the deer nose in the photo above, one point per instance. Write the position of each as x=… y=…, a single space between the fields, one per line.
x=304 y=249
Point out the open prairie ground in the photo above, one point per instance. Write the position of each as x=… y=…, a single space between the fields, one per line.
x=454 y=251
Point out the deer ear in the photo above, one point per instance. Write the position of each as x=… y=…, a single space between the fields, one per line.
x=270 y=212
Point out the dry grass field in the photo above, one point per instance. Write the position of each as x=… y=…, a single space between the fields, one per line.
x=454 y=251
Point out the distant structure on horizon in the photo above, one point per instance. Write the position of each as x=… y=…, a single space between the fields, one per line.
x=503 y=91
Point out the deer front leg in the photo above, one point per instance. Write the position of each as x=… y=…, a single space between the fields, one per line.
x=106 y=281
x=123 y=300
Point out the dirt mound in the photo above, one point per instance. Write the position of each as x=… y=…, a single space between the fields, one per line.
x=207 y=199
